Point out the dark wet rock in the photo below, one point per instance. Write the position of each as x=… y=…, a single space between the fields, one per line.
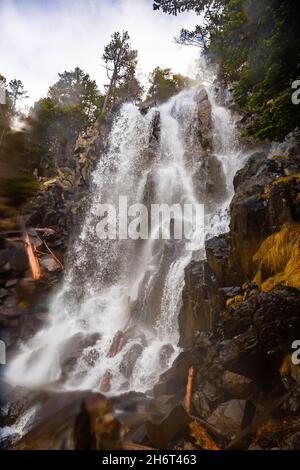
x=146 y=106
x=209 y=390
x=247 y=358
x=155 y=135
x=7 y=441
x=265 y=198
x=73 y=348
x=162 y=405
x=236 y=384
x=217 y=251
x=202 y=340
x=5 y=267
x=13 y=258
x=11 y=283
x=209 y=170
x=8 y=306
x=162 y=432
x=293 y=442
x=85 y=420
x=231 y=291
x=173 y=381
x=105 y=384
x=3 y=293
x=228 y=351
x=49 y=263
x=164 y=355
x=129 y=360
x=228 y=417
x=273 y=315
x=197 y=308
x=201 y=404
x=254 y=446
x=69 y=421
x=215 y=180
x=205 y=120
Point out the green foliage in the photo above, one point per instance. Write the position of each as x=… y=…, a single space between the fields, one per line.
x=118 y=56
x=19 y=188
x=17 y=182
x=52 y=127
x=73 y=104
x=75 y=92
x=120 y=63
x=208 y=9
x=129 y=89
x=16 y=91
x=256 y=45
x=173 y=7
x=275 y=119
x=164 y=84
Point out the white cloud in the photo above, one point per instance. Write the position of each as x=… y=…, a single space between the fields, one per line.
x=40 y=38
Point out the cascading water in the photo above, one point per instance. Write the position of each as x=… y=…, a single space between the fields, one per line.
x=229 y=153
x=129 y=291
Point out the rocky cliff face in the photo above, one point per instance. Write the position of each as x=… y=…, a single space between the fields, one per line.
x=240 y=312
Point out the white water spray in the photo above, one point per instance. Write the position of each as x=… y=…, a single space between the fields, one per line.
x=126 y=285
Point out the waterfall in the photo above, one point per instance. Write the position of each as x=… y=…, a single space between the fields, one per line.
x=130 y=290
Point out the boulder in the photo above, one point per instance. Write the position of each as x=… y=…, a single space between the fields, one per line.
x=13 y=257
x=129 y=360
x=49 y=263
x=236 y=384
x=201 y=404
x=200 y=298
x=228 y=417
x=162 y=433
x=205 y=119
x=164 y=355
x=228 y=351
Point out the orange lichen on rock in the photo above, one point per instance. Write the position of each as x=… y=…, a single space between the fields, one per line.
x=32 y=258
x=280 y=180
x=274 y=428
x=232 y=301
x=201 y=436
x=278 y=259
x=289 y=369
x=287 y=179
x=189 y=385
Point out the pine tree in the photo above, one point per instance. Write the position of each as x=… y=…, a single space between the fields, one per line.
x=120 y=63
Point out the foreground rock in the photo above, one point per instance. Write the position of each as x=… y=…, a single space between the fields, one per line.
x=91 y=421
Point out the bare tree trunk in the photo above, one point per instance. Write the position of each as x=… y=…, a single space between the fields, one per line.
x=111 y=85
x=113 y=80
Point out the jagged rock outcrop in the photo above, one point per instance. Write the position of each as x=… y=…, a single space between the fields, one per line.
x=58 y=205
x=204 y=120
x=249 y=289
x=200 y=299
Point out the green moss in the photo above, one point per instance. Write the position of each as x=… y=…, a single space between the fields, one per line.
x=280 y=180
x=278 y=259
x=280 y=157
x=234 y=300
x=19 y=188
x=287 y=179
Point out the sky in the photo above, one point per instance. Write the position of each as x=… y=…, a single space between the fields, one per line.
x=40 y=38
